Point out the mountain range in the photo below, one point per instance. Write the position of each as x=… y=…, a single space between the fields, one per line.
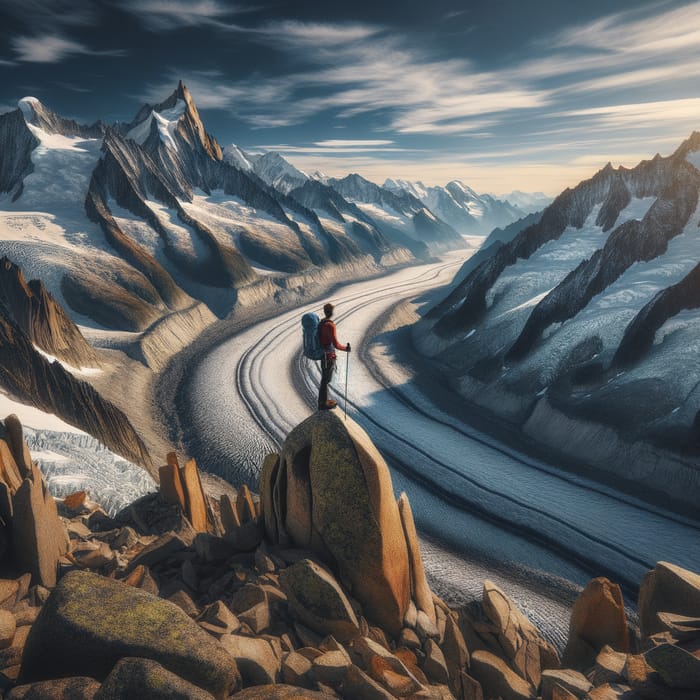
x=581 y=329
x=129 y=222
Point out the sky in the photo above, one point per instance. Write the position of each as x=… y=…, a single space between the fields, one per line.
x=501 y=94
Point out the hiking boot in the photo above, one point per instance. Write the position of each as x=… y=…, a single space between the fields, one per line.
x=329 y=404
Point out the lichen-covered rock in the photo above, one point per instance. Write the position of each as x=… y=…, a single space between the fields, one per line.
x=145 y=678
x=597 y=619
x=667 y=588
x=74 y=688
x=90 y=622
x=317 y=600
x=333 y=495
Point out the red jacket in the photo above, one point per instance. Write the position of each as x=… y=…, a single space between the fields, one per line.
x=328 y=338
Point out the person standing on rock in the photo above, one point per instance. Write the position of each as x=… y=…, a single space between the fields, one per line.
x=329 y=342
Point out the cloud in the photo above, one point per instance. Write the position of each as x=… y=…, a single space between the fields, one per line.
x=47 y=14
x=356 y=69
x=168 y=15
x=52 y=49
x=340 y=143
x=298 y=35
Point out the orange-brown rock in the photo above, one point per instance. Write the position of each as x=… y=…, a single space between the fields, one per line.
x=521 y=641
x=667 y=588
x=229 y=517
x=497 y=679
x=9 y=471
x=316 y=599
x=245 y=507
x=171 y=488
x=182 y=486
x=597 y=619
x=39 y=538
x=420 y=590
x=197 y=511
x=333 y=495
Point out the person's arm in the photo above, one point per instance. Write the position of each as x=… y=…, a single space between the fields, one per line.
x=338 y=345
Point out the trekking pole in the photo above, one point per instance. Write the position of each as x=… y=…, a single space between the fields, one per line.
x=347 y=366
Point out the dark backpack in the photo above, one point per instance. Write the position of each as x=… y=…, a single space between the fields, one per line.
x=311 y=345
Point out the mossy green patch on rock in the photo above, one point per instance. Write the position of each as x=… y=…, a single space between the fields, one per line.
x=90 y=622
x=317 y=600
x=145 y=678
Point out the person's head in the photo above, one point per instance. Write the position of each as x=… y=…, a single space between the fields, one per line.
x=328 y=309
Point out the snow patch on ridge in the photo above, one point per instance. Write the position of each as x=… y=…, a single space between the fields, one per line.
x=26 y=104
x=166 y=121
x=694 y=159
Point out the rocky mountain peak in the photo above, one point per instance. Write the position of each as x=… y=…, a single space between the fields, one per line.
x=37 y=114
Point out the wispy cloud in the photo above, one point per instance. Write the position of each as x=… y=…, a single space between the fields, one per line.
x=357 y=69
x=47 y=14
x=52 y=49
x=334 y=143
x=642 y=114
x=167 y=15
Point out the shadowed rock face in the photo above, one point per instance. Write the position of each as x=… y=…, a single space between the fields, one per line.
x=44 y=118
x=633 y=241
x=639 y=334
x=41 y=318
x=31 y=378
x=16 y=144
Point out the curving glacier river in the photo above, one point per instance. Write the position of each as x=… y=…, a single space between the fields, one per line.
x=483 y=509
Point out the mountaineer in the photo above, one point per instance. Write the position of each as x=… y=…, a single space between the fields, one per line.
x=329 y=343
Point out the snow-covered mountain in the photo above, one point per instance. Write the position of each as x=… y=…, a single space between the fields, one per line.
x=126 y=224
x=465 y=210
x=273 y=169
x=528 y=202
x=397 y=213
x=589 y=321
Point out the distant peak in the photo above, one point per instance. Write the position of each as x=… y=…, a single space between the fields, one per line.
x=30 y=106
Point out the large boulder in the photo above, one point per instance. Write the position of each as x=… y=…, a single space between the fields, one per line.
x=316 y=599
x=332 y=494
x=90 y=622
x=145 y=678
x=81 y=688
x=667 y=588
x=597 y=619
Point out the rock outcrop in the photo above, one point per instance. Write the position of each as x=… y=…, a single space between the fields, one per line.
x=35 y=537
x=331 y=493
x=35 y=329
x=42 y=318
x=597 y=620
x=145 y=606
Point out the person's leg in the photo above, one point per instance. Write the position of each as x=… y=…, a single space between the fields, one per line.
x=327 y=369
x=326 y=374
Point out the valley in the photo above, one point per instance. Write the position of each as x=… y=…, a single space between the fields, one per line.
x=481 y=503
